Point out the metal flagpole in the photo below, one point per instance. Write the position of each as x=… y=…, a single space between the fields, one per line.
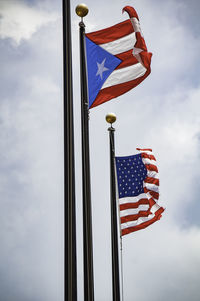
x=122 y=274
x=82 y=11
x=70 y=266
x=111 y=118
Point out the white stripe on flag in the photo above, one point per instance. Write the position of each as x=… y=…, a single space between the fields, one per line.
x=153 y=174
x=134 y=210
x=155 y=208
x=139 y=221
x=132 y=199
x=146 y=152
x=124 y=75
x=152 y=187
x=120 y=45
x=149 y=161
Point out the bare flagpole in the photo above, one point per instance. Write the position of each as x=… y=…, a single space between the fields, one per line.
x=111 y=118
x=82 y=11
x=70 y=265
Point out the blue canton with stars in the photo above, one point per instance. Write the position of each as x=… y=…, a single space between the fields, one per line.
x=131 y=173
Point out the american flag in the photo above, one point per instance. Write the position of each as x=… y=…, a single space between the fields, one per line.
x=117 y=59
x=138 y=191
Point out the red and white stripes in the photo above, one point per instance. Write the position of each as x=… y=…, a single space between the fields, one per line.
x=139 y=212
x=125 y=41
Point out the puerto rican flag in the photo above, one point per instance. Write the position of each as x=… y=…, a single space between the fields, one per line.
x=138 y=191
x=117 y=59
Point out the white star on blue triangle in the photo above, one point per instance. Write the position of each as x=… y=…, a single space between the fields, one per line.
x=101 y=68
x=100 y=64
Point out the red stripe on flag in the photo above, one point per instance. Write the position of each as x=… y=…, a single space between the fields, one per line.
x=151 y=202
x=140 y=42
x=117 y=90
x=157 y=216
x=151 y=167
x=144 y=149
x=146 y=58
x=154 y=194
x=134 y=205
x=147 y=156
x=131 y=11
x=127 y=59
x=151 y=181
x=134 y=217
x=111 y=33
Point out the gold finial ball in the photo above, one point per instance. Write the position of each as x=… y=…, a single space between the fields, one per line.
x=111 y=118
x=82 y=10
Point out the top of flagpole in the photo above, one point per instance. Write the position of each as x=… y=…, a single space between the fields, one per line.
x=82 y=10
x=111 y=118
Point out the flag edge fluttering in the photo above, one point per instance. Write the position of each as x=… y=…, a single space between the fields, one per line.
x=149 y=161
x=140 y=53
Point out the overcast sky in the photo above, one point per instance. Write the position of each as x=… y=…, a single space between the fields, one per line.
x=161 y=262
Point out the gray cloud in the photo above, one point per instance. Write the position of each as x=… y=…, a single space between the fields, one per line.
x=31 y=256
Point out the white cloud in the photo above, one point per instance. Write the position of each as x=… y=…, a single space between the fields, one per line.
x=19 y=21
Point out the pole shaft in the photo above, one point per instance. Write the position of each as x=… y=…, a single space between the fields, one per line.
x=87 y=208
x=70 y=265
x=114 y=220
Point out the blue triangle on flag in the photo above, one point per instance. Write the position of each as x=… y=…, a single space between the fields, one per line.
x=100 y=64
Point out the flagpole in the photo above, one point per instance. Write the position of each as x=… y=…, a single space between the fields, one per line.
x=70 y=265
x=82 y=11
x=111 y=118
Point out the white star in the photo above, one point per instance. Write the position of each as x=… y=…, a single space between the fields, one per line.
x=101 y=68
